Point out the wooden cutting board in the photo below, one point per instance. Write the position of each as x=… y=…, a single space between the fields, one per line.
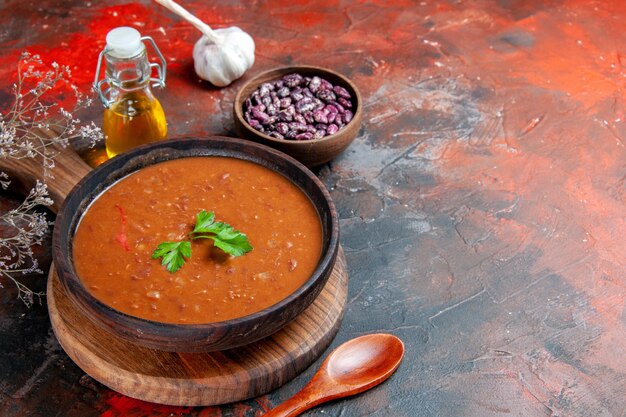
x=182 y=378
x=200 y=378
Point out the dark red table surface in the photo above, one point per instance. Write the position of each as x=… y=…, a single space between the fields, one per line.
x=482 y=204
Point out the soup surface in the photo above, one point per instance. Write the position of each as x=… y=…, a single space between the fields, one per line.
x=116 y=236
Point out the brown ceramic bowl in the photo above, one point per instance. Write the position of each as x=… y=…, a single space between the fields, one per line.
x=192 y=337
x=310 y=152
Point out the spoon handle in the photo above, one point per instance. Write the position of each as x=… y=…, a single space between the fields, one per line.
x=295 y=405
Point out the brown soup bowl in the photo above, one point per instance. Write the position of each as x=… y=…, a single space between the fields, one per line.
x=192 y=337
x=312 y=152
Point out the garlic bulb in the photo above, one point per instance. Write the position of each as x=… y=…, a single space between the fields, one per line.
x=225 y=60
x=220 y=56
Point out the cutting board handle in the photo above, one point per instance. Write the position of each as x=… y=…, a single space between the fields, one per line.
x=69 y=169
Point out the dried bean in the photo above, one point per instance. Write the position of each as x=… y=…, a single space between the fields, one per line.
x=327 y=96
x=266 y=100
x=309 y=117
x=282 y=128
x=262 y=117
x=265 y=89
x=331 y=117
x=256 y=98
x=255 y=124
x=332 y=129
x=276 y=135
x=285 y=116
x=299 y=118
x=283 y=92
x=285 y=102
x=344 y=102
x=304 y=136
x=292 y=80
x=297 y=95
x=326 y=85
x=305 y=105
x=320 y=133
x=315 y=84
x=347 y=116
x=291 y=134
x=341 y=92
x=320 y=117
x=298 y=127
x=272 y=110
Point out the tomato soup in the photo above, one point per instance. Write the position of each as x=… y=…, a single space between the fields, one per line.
x=118 y=233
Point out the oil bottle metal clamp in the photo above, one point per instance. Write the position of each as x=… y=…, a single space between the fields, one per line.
x=159 y=81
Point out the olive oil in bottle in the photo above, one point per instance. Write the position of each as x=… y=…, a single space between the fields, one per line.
x=133 y=116
x=136 y=119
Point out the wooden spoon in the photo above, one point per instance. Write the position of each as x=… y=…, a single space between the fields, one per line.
x=354 y=367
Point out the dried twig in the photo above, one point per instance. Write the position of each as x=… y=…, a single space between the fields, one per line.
x=24 y=133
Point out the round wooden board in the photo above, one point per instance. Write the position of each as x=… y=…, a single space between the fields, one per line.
x=194 y=379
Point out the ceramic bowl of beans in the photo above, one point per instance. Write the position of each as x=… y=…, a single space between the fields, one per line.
x=308 y=112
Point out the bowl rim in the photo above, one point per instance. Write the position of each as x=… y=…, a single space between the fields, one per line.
x=239 y=100
x=175 y=333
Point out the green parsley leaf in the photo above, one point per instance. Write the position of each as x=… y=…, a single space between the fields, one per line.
x=224 y=236
x=173 y=254
x=236 y=246
x=204 y=221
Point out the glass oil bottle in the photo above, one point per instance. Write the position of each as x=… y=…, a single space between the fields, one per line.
x=133 y=116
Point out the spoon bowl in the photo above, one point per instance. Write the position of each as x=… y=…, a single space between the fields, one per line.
x=355 y=366
x=359 y=360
